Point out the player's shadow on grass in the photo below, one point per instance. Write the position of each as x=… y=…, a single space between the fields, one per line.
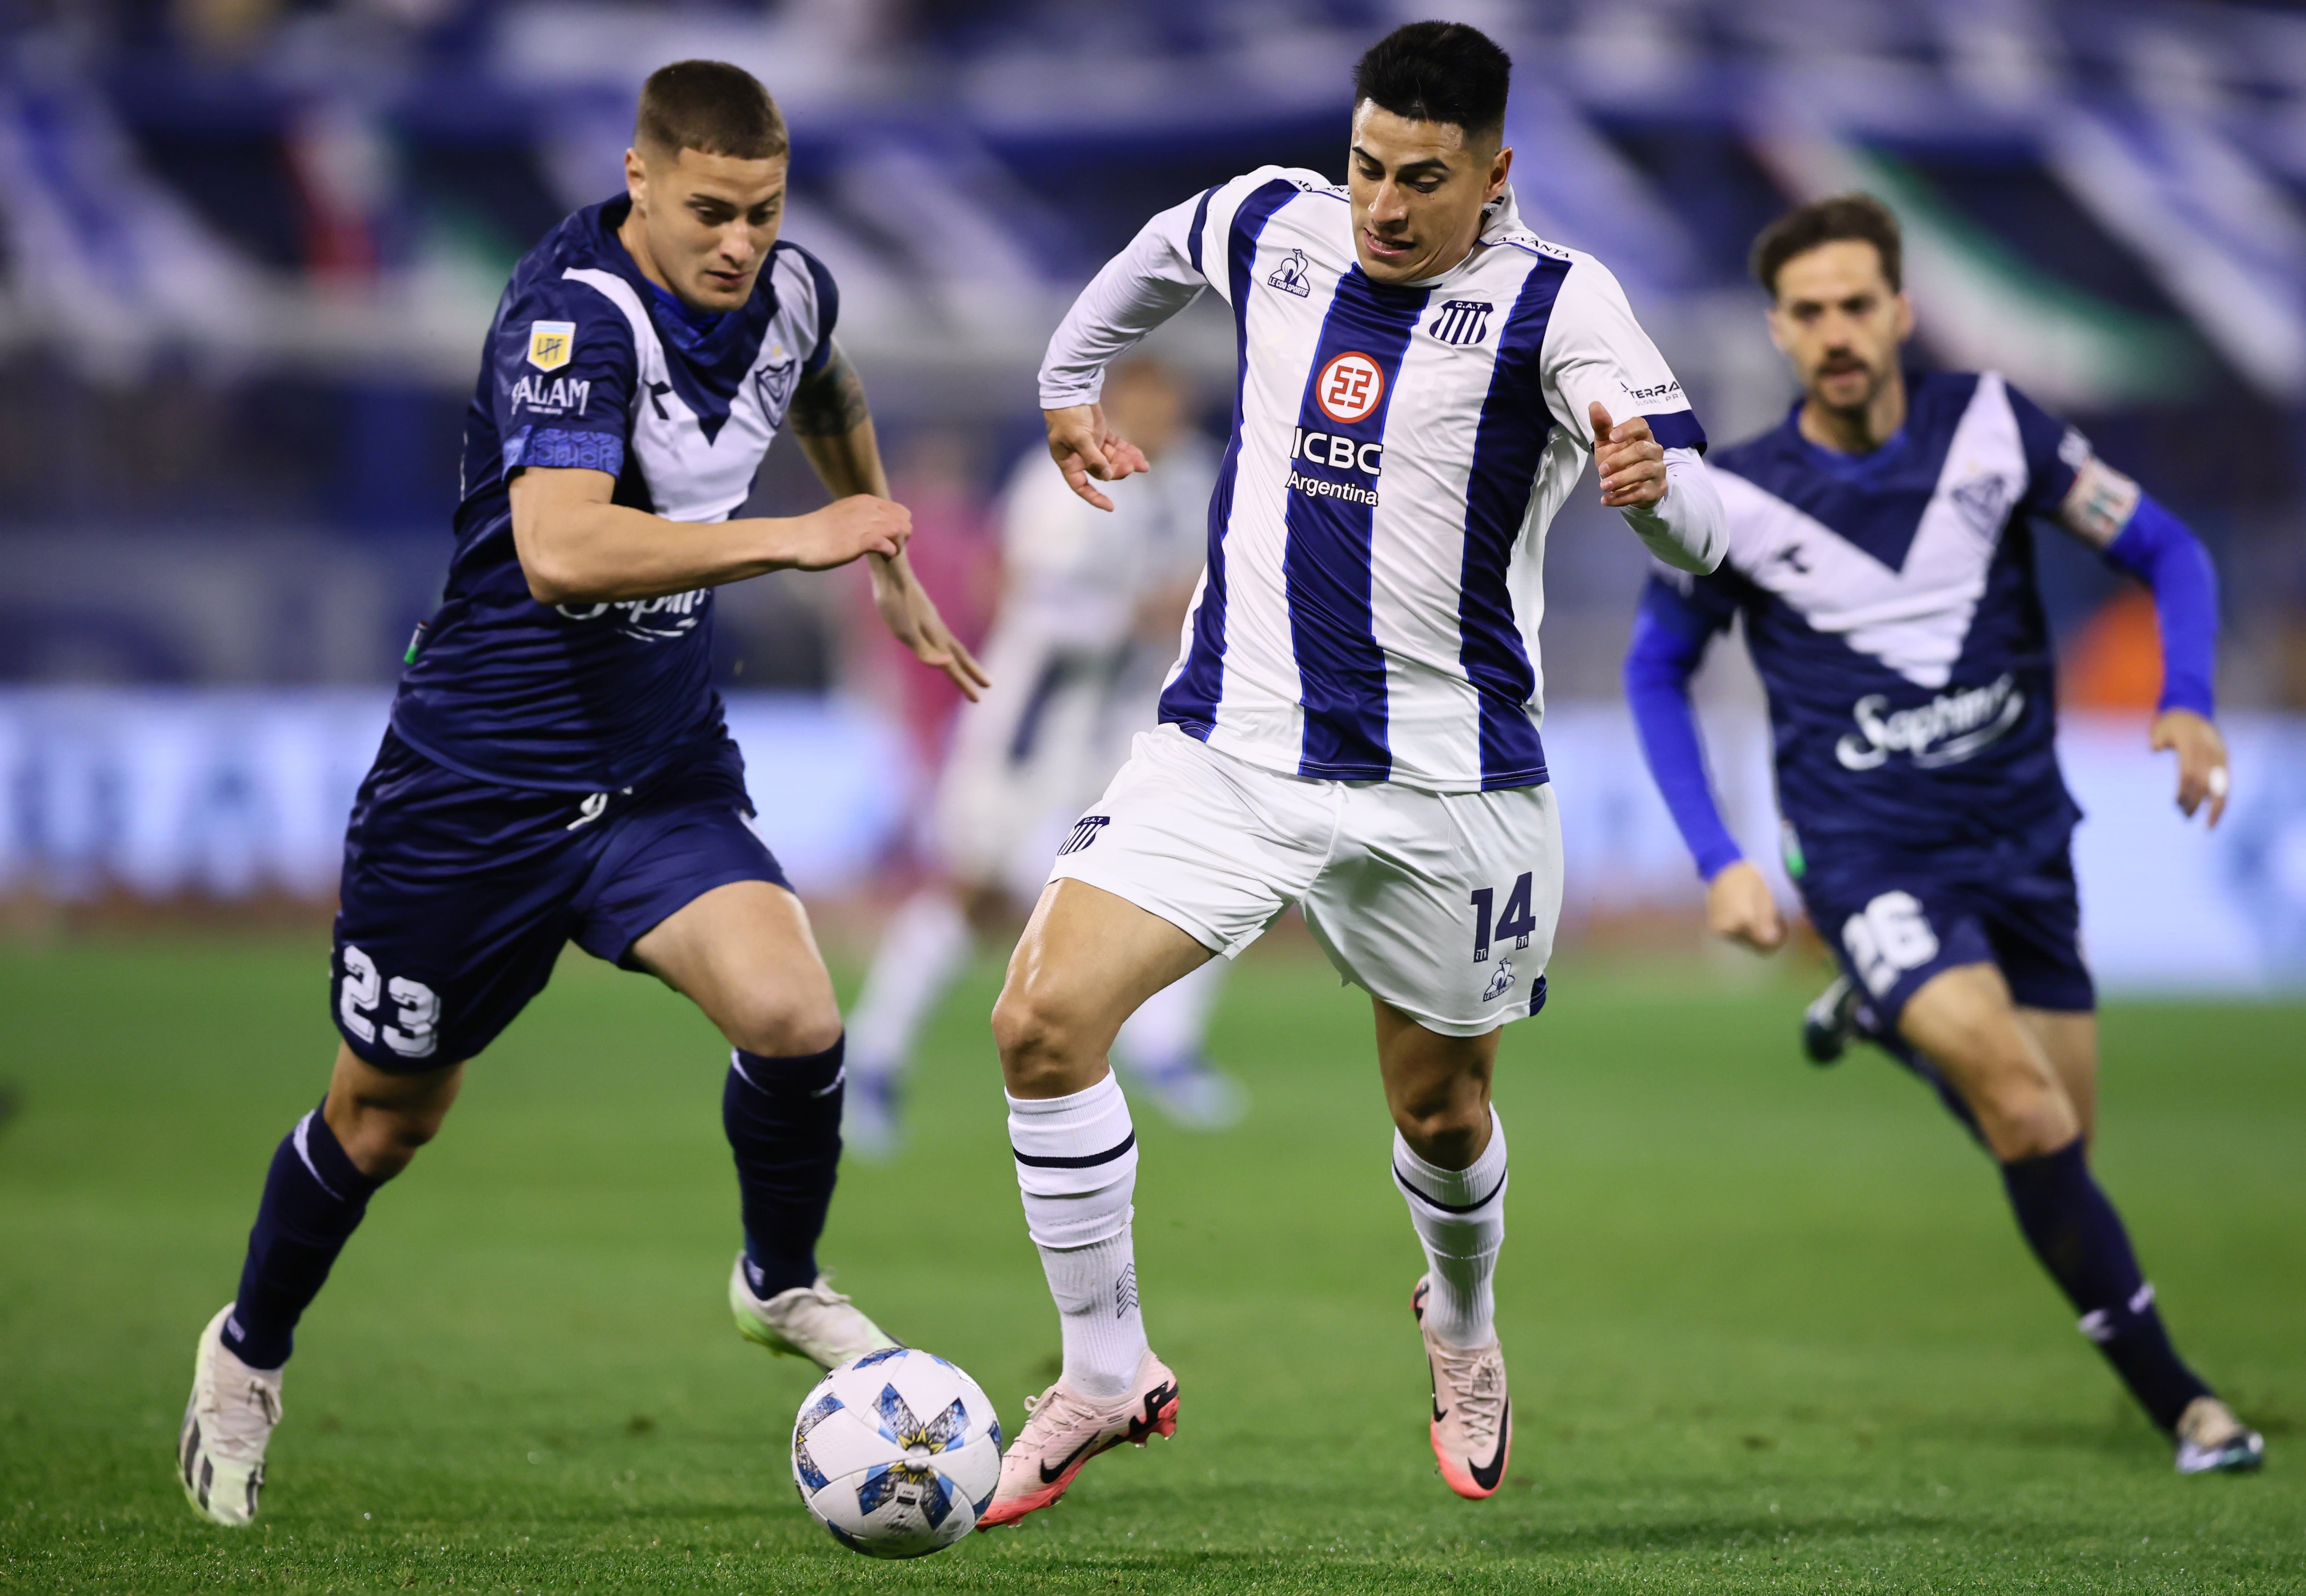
x=1739 y=1532
x=2127 y=1435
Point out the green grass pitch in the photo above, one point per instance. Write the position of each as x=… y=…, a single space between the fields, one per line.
x=1770 y=1329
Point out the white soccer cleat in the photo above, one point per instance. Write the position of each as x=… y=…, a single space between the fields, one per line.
x=2212 y=1441
x=1473 y=1415
x=227 y=1424
x=809 y=1321
x=1064 y=1429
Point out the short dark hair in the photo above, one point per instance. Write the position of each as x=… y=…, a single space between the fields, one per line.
x=1437 y=72
x=710 y=107
x=1859 y=218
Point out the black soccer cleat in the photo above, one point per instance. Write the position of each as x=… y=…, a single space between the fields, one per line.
x=1830 y=1022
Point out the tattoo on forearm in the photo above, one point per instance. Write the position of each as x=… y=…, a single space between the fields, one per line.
x=831 y=403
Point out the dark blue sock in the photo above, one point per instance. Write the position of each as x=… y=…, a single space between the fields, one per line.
x=2079 y=1237
x=314 y=1198
x=783 y=1120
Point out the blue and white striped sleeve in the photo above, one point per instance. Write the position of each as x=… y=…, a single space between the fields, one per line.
x=1175 y=256
x=1596 y=353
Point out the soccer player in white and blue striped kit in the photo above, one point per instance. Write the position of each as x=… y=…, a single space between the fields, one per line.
x=1354 y=725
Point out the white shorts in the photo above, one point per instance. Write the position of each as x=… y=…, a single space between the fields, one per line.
x=1441 y=904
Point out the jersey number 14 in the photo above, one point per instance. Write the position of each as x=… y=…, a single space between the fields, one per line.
x=1517 y=921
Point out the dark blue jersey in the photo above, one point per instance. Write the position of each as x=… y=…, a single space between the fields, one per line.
x=590 y=365
x=1891 y=608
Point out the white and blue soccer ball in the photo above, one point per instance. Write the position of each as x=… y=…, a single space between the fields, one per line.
x=896 y=1452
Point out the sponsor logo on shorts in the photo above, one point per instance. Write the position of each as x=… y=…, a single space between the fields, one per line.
x=1500 y=983
x=1946 y=731
x=1084 y=832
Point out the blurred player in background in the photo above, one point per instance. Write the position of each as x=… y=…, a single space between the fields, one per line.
x=557 y=768
x=1090 y=606
x=1354 y=725
x=1881 y=555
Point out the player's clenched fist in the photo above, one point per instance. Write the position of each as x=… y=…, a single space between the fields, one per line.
x=848 y=528
x=1086 y=449
x=1627 y=458
x=1740 y=906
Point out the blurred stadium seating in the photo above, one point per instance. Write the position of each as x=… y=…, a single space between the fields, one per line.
x=247 y=248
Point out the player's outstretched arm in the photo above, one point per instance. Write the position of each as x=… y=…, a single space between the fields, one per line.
x=2136 y=535
x=833 y=425
x=576 y=547
x=1087 y=450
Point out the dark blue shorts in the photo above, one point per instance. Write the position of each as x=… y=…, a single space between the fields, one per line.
x=1896 y=920
x=458 y=894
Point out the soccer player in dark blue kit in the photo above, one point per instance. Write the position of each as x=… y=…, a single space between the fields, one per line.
x=1881 y=555
x=557 y=767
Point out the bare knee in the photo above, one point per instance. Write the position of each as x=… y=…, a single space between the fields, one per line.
x=381 y=1118
x=1446 y=1123
x=1047 y=1047
x=778 y=1024
x=381 y=1138
x=2022 y=1115
x=2020 y=1107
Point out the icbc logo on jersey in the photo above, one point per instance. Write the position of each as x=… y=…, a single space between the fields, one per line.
x=1349 y=388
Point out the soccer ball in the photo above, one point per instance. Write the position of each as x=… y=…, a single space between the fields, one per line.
x=896 y=1452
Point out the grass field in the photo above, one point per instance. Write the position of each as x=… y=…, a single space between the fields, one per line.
x=1769 y=1328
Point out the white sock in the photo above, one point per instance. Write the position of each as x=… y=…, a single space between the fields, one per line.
x=924 y=947
x=1167 y=1028
x=1460 y=1216
x=1077 y=1168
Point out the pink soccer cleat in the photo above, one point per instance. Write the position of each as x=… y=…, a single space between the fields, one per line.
x=1472 y=1417
x=1064 y=1429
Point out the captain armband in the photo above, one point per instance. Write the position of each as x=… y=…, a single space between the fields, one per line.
x=2101 y=502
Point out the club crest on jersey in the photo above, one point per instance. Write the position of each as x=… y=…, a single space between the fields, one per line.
x=1349 y=388
x=549 y=343
x=1463 y=322
x=772 y=384
x=1292 y=277
x=1084 y=832
x=1984 y=501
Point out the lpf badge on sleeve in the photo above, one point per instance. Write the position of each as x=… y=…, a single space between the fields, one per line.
x=549 y=344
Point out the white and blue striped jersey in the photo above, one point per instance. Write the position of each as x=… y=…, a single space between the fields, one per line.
x=1370 y=604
